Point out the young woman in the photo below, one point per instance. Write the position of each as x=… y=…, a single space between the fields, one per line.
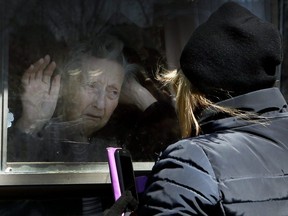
x=233 y=158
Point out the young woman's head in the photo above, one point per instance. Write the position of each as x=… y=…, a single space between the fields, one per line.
x=224 y=58
x=91 y=83
x=229 y=57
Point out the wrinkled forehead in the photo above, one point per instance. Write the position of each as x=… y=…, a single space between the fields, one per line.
x=92 y=65
x=95 y=68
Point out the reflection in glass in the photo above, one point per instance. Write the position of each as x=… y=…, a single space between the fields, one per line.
x=90 y=99
x=103 y=99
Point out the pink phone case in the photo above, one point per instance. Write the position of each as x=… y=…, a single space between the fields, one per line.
x=113 y=172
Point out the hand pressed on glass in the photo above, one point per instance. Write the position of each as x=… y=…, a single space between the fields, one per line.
x=41 y=91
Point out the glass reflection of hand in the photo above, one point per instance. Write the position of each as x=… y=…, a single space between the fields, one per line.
x=40 y=95
x=132 y=92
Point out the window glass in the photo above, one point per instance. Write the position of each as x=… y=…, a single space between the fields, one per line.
x=81 y=77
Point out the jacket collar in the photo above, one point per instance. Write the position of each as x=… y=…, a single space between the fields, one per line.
x=257 y=101
x=265 y=102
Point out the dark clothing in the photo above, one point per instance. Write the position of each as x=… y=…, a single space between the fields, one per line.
x=235 y=167
x=56 y=144
x=128 y=128
x=157 y=128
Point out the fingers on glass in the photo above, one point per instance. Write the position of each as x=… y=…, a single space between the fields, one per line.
x=41 y=70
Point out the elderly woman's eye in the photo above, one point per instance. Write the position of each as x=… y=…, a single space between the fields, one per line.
x=112 y=93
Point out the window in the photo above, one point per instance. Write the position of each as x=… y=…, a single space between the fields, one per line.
x=60 y=148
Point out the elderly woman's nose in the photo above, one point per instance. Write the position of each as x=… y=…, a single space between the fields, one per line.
x=99 y=100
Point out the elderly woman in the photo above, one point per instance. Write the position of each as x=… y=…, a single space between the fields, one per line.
x=61 y=111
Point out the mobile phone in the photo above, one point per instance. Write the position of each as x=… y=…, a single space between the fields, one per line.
x=125 y=171
x=121 y=172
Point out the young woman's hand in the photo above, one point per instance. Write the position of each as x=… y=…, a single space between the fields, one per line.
x=39 y=99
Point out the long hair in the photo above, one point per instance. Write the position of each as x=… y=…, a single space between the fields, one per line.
x=189 y=101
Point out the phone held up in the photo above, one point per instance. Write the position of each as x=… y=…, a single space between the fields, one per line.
x=121 y=172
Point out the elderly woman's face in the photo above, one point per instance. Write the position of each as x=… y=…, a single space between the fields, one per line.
x=97 y=96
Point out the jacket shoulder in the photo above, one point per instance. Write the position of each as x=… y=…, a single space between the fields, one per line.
x=189 y=151
x=182 y=182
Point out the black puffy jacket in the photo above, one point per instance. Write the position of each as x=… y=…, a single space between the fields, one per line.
x=235 y=168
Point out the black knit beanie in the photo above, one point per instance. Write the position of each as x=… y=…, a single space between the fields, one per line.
x=233 y=52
